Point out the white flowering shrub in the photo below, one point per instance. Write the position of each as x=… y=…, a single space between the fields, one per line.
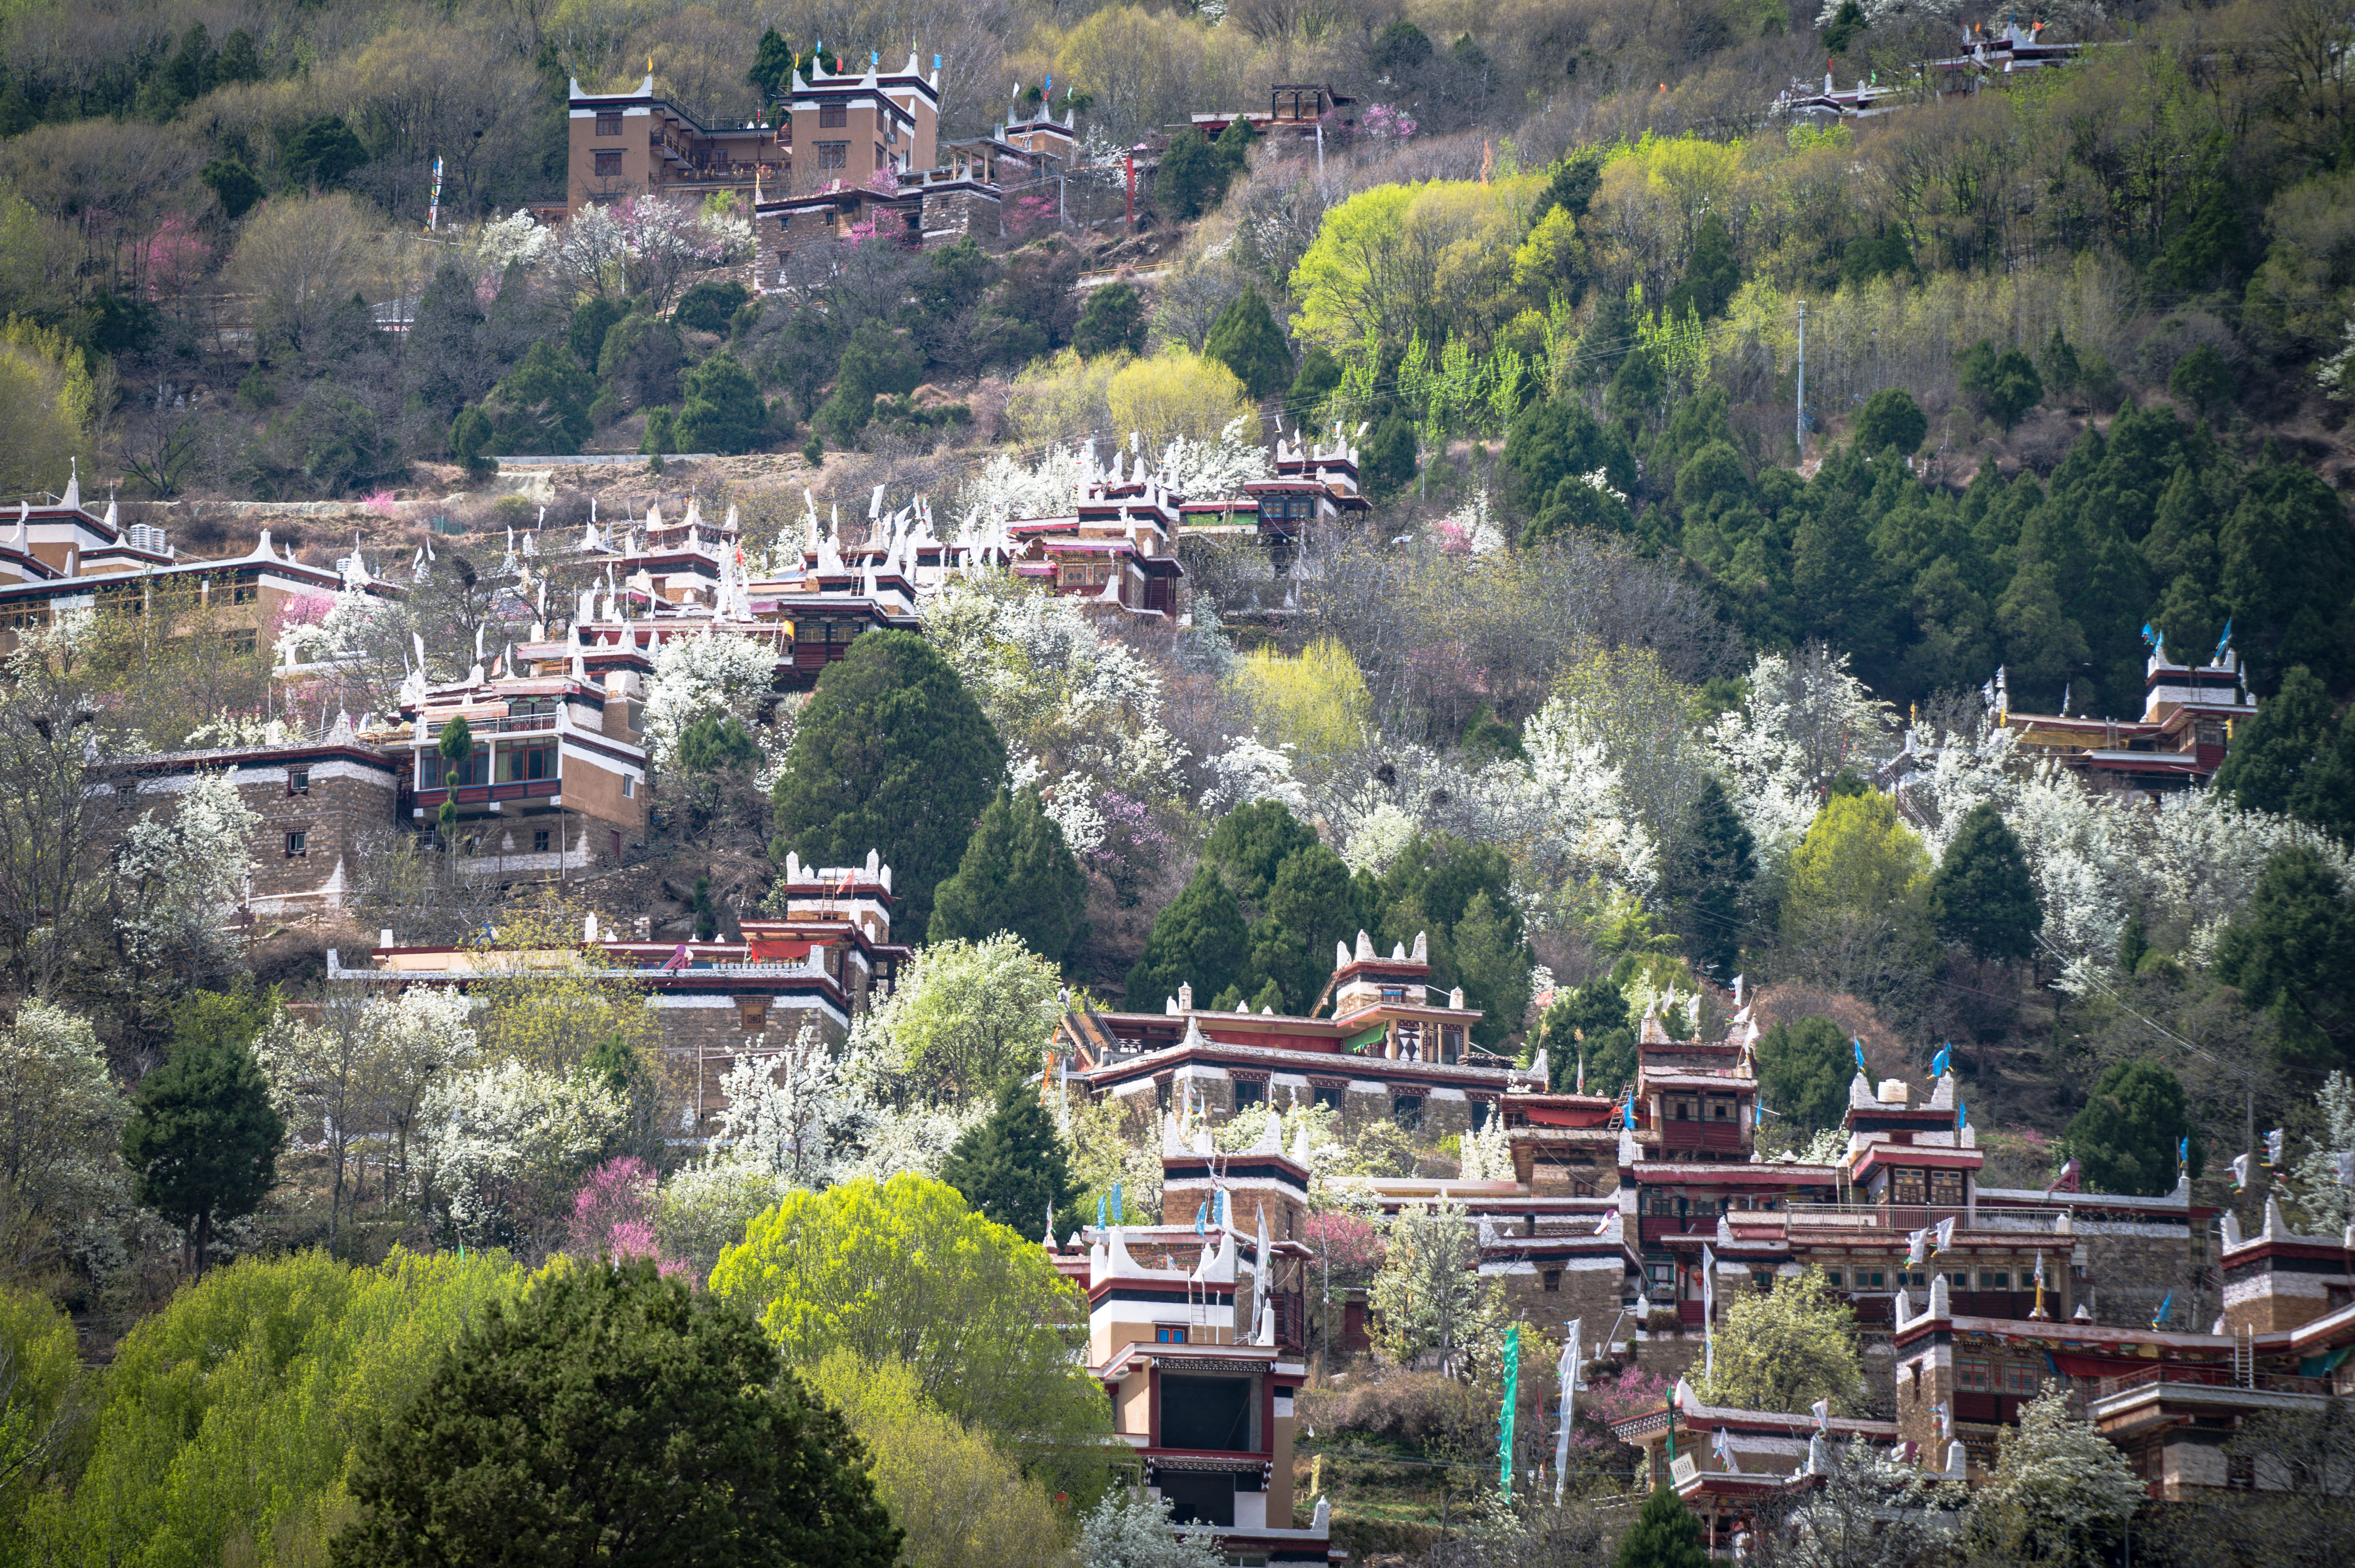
x=2097 y=860
x=588 y=251
x=502 y=1145
x=1007 y=488
x=1248 y=771
x=1130 y=1529
x=178 y=879
x=1804 y=718
x=708 y=672
x=61 y=1122
x=2313 y=1182
x=795 y=1116
x=1207 y=470
x=340 y=633
x=515 y=241
x=1080 y=713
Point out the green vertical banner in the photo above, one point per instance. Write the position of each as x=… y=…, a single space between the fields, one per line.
x=1512 y=1397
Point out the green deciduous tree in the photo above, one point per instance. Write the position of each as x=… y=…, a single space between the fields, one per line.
x=1786 y=1347
x=966 y=1017
x=2126 y=1136
x=1429 y=1295
x=1665 y=1535
x=1803 y=1073
x=613 y=1416
x=1246 y=339
x=1014 y=1166
x=1982 y=896
x=227 y=1416
x=1854 y=910
x=1198 y=939
x=891 y=754
x=905 y=1272
x=1018 y=875
x=2291 y=950
x=2061 y=1493
x=1713 y=859
x=203 y=1139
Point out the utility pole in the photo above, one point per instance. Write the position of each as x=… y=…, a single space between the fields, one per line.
x=1799 y=412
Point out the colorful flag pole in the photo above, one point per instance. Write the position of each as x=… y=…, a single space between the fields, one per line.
x=1566 y=1374
x=434 y=208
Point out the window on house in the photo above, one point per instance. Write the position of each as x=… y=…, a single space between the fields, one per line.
x=629 y=789
x=609 y=164
x=615 y=839
x=1972 y=1374
x=2022 y=1377
x=1406 y=1110
x=1959 y=1280
x=1248 y=1095
x=1760 y=1281
x=834 y=155
x=2240 y=1472
x=1946 y=1189
x=527 y=762
x=1553 y=1278
x=830 y=115
x=1330 y=1098
x=1871 y=1279
x=298 y=843
x=1161 y=1093
x=880 y=161
x=1718 y=1110
x=1995 y=1279
x=242 y=640
x=609 y=122
x=539 y=840
x=1906 y=1186
x=1169 y=1336
x=1451 y=1046
x=1835 y=1278
x=1481 y=1111
x=753 y=1014
x=1684 y=1110
x=243 y=593
x=298 y=781
x=1914 y=1281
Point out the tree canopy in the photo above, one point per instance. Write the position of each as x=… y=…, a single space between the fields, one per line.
x=203 y=1139
x=1786 y=1347
x=2127 y=1134
x=1012 y=1167
x=1018 y=875
x=1982 y=896
x=892 y=754
x=611 y=1413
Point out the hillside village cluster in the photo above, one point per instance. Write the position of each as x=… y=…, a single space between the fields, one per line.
x=1625 y=1220
x=1620 y=1226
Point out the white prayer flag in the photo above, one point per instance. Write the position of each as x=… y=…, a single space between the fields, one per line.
x=1822 y=1411
x=1945 y=1234
x=1566 y=1374
x=1915 y=1241
x=1708 y=1311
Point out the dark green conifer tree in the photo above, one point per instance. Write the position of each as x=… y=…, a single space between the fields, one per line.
x=1018 y=875
x=1982 y=896
x=1198 y=939
x=2126 y=1136
x=203 y=1138
x=2271 y=751
x=1588 y=1024
x=1803 y=1073
x=892 y=754
x=1246 y=340
x=1013 y=1165
x=1665 y=1535
x=1713 y=858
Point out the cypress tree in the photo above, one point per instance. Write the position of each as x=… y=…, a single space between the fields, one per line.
x=1715 y=858
x=1246 y=340
x=1198 y=939
x=1252 y=843
x=894 y=755
x=2291 y=950
x=203 y=1139
x=1012 y=1165
x=1711 y=274
x=1981 y=895
x=1665 y=1535
x=2270 y=752
x=1018 y=875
